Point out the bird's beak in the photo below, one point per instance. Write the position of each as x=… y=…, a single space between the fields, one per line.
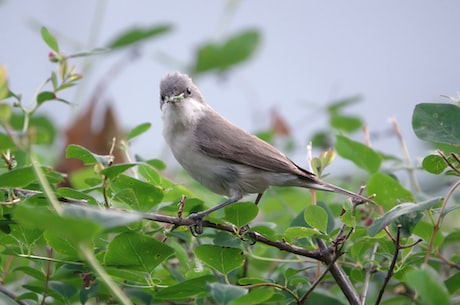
x=175 y=98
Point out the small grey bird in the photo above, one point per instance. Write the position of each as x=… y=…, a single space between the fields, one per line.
x=221 y=156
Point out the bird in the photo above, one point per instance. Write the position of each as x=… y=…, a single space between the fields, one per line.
x=220 y=155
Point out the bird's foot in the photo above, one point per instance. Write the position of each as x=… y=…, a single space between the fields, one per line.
x=197 y=228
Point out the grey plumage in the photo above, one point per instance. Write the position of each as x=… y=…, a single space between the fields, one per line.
x=220 y=155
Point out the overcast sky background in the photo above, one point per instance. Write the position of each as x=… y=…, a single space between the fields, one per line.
x=394 y=53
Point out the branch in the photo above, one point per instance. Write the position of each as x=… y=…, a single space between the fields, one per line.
x=11 y=295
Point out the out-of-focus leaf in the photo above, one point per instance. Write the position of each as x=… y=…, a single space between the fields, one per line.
x=224 y=293
x=221 y=56
x=96 y=51
x=428 y=285
x=360 y=154
x=4 y=91
x=5 y=112
x=81 y=153
x=336 y=106
x=138 y=130
x=398 y=211
x=438 y=123
x=107 y=219
x=136 y=251
x=186 y=289
x=69 y=227
x=255 y=296
x=434 y=164
x=6 y=142
x=18 y=177
x=222 y=259
x=346 y=123
x=49 y=39
x=136 y=35
x=389 y=192
x=45 y=96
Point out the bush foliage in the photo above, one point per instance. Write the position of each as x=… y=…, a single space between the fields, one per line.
x=116 y=235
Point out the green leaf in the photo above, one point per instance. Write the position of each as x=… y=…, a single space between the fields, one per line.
x=49 y=39
x=61 y=244
x=136 y=251
x=69 y=227
x=346 y=123
x=73 y=194
x=389 y=191
x=185 y=289
x=149 y=173
x=294 y=233
x=221 y=56
x=107 y=219
x=398 y=211
x=138 y=130
x=136 y=35
x=45 y=96
x=81 y=153
x=336 y=106
x=434 y=164
x=222 y=259
x=255 y=296
x=156 y=163
x=438 y=123
x=116 y=169
x=453 y=283
x=360 y=154
x=141 y=195
x=33 y=272
x=316 y=217
x=241 y=213
x=224 y=293
x=18 y=177
x=428 y=285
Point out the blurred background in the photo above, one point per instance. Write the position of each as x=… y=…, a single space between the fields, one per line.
x=383 y=57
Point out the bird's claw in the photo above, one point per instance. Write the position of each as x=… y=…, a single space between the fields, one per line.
x=197 y=228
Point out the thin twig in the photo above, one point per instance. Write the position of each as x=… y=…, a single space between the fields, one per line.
x=392 y=266
x=11 y=295
x=368 y=274
x=405 y=151
x=438 y=222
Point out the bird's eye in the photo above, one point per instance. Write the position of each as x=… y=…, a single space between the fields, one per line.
x=162 y=97
x=189 y=91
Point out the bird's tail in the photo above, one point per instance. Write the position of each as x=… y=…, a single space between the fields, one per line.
x=324 y=186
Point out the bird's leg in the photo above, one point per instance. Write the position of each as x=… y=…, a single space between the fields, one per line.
x=259 y=196
x=198 y=217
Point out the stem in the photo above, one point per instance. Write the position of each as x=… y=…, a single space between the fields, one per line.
x=392 y=266
x=405 y=151
x=437 y=226
x=368 y=274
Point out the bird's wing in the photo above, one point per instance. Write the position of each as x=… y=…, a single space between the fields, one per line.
x=227 y=141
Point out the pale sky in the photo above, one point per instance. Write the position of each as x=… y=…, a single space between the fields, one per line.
x=394 y=53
